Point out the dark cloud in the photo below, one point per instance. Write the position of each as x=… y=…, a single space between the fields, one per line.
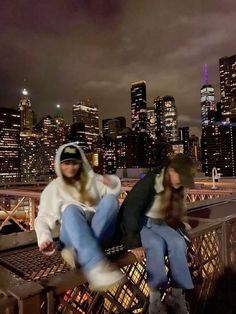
x=66 y=50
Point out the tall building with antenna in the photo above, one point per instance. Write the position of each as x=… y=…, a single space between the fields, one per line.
x=208 y=106
x=210 y=130
x=29 y=145
x=26 y=112
x=62 y=130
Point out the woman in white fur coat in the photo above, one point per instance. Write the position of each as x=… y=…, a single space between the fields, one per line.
x=86 y=205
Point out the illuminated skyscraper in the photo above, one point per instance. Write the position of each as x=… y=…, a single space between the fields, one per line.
x=58 y=112
x=228 y=148
x=211 y=135
x=184 y=138
x=219 y=142
x=159 y=112
x=29 y=156
x=139 y=107
x=126 y=146
x=177 y=147
x=87 y=113
x=208 y=106
x=10 y=125
x=62 y=130
x=105 y=127
x=77 y=135
x=170 y=119
x=110 y=160
x=151 y=122
x=38 y=148
x=166 y=128
x=47 y=129
x=228 y=86
x=26 y=112
x=29 y=161
x=218 y=148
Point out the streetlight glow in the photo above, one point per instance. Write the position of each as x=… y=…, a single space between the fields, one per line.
x=25 y=92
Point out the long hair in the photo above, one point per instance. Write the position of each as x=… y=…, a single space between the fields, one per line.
x=81 y=177
x=171 y=201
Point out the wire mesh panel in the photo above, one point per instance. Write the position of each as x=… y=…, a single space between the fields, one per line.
x=136 y=273
x=81 y=300
x=31 y=265
x=208 y=248
x=131 y=297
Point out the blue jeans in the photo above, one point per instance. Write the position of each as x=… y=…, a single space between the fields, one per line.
x=160 y=240
x=86 y=237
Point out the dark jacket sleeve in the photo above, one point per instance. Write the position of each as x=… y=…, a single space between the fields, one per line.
x=133 y=211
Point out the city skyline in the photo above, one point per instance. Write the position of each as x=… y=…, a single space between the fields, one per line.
x=63 y=52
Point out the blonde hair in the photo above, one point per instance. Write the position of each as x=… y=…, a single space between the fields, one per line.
x=81 y=177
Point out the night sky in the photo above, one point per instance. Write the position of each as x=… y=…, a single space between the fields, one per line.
x=66 y=50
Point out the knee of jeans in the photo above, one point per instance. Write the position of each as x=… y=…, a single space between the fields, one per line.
x=177 y=244
x=71 y=210
x=111 y=200
x=151 y=242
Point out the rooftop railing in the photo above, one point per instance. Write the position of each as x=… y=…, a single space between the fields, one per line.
x=34 y=283
x=20 y=205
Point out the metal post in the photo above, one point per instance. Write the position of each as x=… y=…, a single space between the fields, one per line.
x=214 y=176
x=32 y=212
x=30 y=305
x=225 y=245
x=50 y=303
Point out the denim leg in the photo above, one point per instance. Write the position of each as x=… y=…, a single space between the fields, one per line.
x=155 y=249
x=76 y=233
x=104 y=220
x=177 y=250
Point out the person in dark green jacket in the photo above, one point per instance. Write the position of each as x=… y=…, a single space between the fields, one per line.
x=149 y=218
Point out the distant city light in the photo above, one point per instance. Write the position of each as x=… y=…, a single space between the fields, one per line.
x=25 y=92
